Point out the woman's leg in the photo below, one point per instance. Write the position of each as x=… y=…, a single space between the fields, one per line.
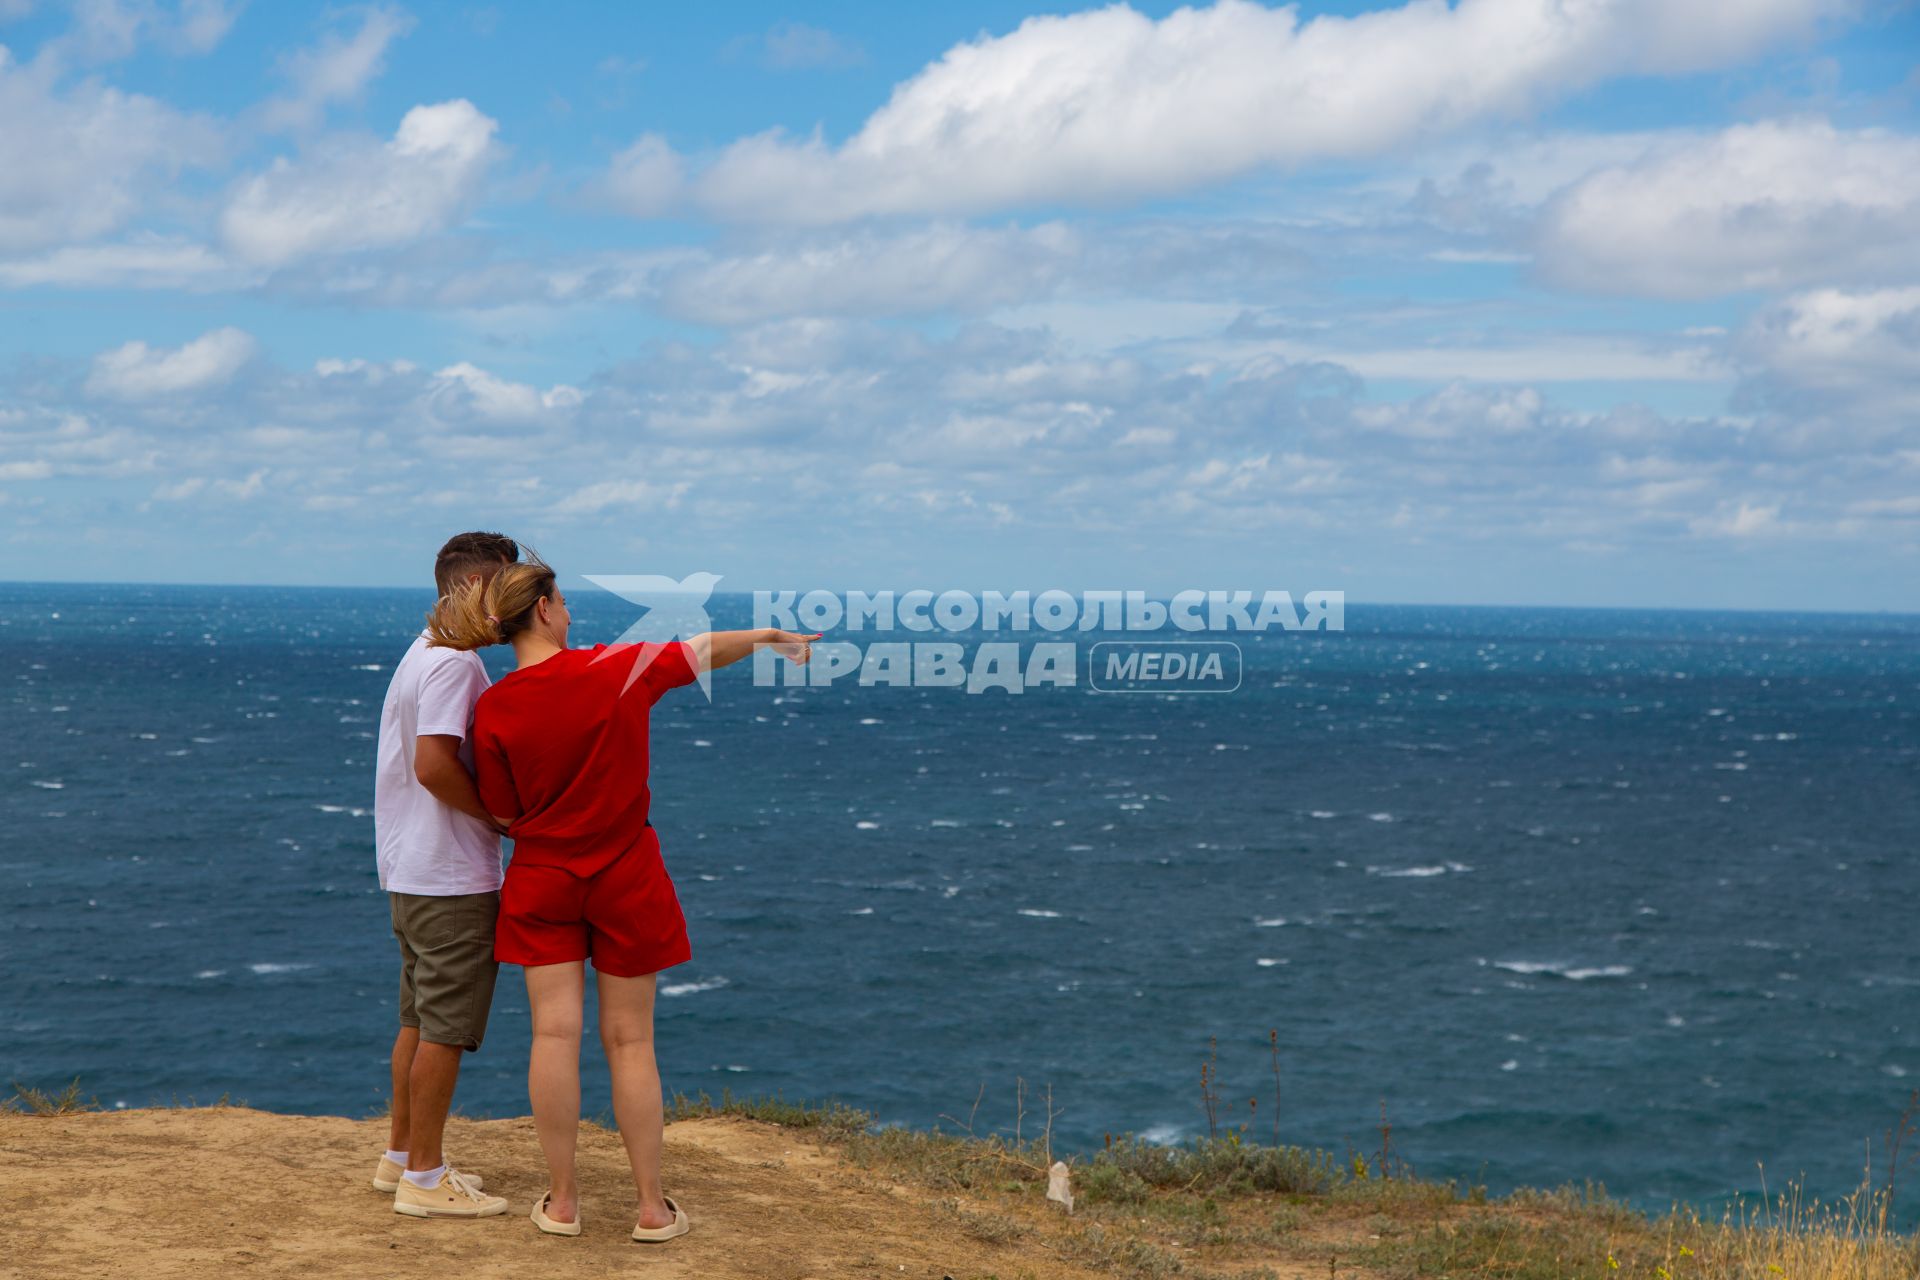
x=554 y=991
x=626 y=1032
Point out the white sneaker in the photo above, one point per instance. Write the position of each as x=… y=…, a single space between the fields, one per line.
x=455 y=1197
x=387 y=1177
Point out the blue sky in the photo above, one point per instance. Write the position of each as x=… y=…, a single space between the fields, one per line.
x=1508 y=301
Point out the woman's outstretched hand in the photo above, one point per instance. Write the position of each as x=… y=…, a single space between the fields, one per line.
x=793 y=645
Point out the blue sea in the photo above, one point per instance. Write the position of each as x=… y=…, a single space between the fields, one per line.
x=1573 y=895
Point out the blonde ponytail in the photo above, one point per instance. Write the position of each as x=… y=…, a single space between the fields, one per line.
x=474 y=615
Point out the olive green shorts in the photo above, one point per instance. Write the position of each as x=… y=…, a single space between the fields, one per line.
x=447 y=967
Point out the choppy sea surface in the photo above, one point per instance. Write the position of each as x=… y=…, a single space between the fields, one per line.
x=1572 y=894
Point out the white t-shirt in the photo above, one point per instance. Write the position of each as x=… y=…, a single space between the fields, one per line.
x=424 y=846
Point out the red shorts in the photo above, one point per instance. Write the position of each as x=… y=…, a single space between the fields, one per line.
x=625 y=917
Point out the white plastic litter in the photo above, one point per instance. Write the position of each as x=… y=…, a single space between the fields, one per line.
x=1058 y=1187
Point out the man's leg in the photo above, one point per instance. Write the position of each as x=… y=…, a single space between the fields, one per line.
x=453 y=979
x=435 y=1071
x=408 y=1037
x=428 y=1189
x=403 y=1046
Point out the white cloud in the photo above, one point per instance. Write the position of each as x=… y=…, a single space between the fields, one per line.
x=1762 y=206
x=937 y=268
x=1457 y=410
x=1831 y=352
x=180 y=490
x=597 y=497
x=138 y=372
x=994 y=430
x=1540 y=358
x=1110 y=103
x=1490 y=176
x=146 y=262
x=465 y=390
x=1832 y=338
x=337 y=69
x=77 y=162
x=362 y=194
x=238 y=489
x=645 y=179
x=1744 y=520
x=203 y=24
x=797 y=46
x=44 y=441
x=370 y=370
x=106 y=30
x=792 y=46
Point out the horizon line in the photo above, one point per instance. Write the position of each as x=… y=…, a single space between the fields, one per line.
x=1349 y=599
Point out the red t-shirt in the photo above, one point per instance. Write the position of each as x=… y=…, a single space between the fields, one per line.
x=561 y=748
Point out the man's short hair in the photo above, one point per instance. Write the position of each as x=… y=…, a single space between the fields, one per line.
x=466 y=554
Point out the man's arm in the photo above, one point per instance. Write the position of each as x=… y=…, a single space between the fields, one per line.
x=436 y=763
x=715 y=649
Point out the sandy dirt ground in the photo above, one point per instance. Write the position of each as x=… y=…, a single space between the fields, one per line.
x=222 y=1192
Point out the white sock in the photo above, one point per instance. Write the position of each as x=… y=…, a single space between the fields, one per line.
x=398 y=1157
x=426 y=1179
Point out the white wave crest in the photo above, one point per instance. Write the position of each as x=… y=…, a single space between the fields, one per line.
x=1564 y=969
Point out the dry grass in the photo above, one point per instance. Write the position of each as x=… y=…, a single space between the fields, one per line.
x=1807 y=1241
x=831 y=1119
x=1226 y=1206
x=42 y=1103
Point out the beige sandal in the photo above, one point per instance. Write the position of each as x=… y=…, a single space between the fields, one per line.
x=548 y=1225
x=678 y=1227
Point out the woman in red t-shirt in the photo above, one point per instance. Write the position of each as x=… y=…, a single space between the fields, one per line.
x=560 y=756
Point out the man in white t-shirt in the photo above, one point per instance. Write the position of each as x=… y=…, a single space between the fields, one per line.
x=439 y=857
